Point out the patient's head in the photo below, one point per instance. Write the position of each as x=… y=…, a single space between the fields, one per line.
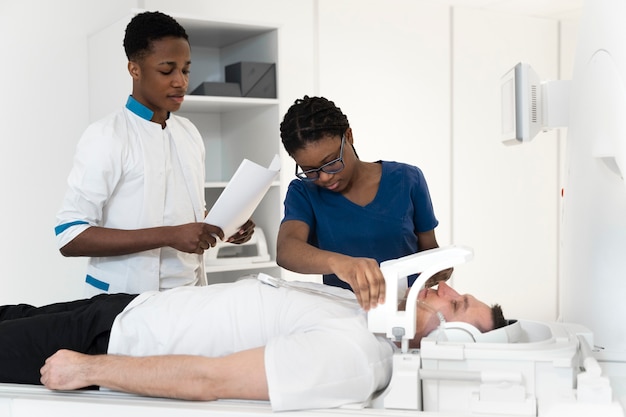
x=454 y=307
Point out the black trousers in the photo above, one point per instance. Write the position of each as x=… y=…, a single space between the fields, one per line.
x=29 y=335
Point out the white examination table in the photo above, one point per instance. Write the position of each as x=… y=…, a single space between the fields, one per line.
x=524 y=369
x=34 y=401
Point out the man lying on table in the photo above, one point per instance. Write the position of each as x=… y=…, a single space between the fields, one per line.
x=242 y=340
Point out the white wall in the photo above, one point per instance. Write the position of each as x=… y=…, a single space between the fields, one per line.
x=43 y=112
x=389 y=71
x=568 y=46
x=420 y=83
x=504 y=198
x=393 y=67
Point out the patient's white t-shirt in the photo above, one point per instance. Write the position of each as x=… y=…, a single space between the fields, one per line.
x=319 y=353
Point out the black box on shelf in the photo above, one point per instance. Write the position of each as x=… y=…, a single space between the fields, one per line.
x=256 y=79
x=209 y=88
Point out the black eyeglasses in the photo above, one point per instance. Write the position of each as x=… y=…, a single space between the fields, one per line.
x=332 y=167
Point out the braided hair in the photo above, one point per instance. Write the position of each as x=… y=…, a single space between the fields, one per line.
x=147 y=27
x=310 y=119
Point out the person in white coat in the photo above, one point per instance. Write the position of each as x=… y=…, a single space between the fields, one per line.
x=135 y=199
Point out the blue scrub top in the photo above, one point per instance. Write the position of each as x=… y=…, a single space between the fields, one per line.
x=384 y=229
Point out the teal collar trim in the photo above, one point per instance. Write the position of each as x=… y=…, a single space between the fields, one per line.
x=139 y=109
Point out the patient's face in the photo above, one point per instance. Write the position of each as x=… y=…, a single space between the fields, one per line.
x=453 y=306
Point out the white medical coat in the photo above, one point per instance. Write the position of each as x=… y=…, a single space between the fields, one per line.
x=118 y=181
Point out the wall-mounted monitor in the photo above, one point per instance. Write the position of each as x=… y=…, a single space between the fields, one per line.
x=521 y=104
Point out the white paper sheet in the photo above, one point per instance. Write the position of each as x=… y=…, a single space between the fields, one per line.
x=242 y=195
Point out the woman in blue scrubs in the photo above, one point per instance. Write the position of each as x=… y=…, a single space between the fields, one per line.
x=344 y=216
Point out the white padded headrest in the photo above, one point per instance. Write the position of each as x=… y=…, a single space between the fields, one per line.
x=457 y=331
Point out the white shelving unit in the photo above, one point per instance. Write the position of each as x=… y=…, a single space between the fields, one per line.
x=233 y=128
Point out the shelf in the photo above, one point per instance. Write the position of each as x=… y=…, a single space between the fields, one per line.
x=223 y=184
x=203 y=104
x=232 y=128
x=239 y=267
x=215 y=34
x=211 y=34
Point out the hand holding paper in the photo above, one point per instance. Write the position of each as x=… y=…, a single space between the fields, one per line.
x=242 y=195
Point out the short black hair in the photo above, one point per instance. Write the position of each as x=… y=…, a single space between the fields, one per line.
x=310 y=119
x=147 y=27
x=498 y=317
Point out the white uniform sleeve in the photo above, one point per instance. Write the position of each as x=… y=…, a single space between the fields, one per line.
x=327 y=367
x=96 y=170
